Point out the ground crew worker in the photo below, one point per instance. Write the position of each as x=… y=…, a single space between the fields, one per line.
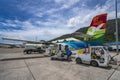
x=68 y=52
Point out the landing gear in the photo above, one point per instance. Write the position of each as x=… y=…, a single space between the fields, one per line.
x=28 y=52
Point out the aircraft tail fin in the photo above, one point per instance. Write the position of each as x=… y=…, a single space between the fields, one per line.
x=97 y=28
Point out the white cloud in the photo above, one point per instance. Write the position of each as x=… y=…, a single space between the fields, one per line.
x=9 y=24
x=39 y=11
x=68 y=4
x=59 y=1
x=73 y=22
x=15 y=23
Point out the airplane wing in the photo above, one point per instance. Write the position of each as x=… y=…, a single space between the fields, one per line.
x=26 y=41
x=12 y=39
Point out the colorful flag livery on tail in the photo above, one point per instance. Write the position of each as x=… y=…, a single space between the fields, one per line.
x=97 y=28
x=99 y=19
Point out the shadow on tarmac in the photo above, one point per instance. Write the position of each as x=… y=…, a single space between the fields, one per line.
x=88 y=65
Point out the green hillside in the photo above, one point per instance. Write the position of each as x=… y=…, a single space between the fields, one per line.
x=109 y=36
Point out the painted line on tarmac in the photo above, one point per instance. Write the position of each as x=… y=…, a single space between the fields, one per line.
x=21 y=58
x=113 y=72
x=29 y=70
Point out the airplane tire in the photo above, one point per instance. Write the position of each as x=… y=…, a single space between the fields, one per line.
x=94 y=63
x=28 y=52
x=78 y=61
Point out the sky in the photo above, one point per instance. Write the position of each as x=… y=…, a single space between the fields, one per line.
x=47 y=19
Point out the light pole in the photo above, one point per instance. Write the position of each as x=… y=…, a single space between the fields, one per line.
x=116 y=26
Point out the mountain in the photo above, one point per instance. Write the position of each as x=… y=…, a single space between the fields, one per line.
x=109 y=35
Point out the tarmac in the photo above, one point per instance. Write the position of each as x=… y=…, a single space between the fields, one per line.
x=15 y=65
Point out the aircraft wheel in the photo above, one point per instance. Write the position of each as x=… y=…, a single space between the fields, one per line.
x=78 y=61
x=28 y=52
x=94 y=63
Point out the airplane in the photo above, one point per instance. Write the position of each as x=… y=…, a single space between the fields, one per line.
x=94 y=36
